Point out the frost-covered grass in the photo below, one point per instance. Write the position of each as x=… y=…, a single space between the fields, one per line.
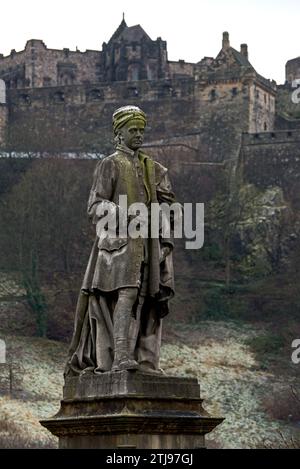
x=232 y=385
x=37 y=366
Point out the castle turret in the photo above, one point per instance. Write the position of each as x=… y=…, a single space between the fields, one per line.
x=244 y=50
x=225 y=41
x=292 y=70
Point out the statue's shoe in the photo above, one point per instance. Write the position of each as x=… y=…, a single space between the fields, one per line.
x=145 y=368
x=125 y=364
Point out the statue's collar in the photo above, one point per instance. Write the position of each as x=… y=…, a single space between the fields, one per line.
x=133 y=154
x=125 y=149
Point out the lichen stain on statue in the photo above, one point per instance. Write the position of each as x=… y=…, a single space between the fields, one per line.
x=128 y=281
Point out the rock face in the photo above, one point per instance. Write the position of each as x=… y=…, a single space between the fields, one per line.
x=260 y=225
x=288 y=104
x=262 y=233
x=4 y=378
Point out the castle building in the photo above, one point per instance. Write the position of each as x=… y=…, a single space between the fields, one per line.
x=62 y=99
x=129 y=55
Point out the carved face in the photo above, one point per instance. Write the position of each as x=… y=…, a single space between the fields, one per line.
x=132 y=134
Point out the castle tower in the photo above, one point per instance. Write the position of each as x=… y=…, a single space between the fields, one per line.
x=225 y=41
x=3 y=112
x=292 y=70
x=131 y=55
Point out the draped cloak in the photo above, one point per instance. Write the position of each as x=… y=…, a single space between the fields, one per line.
x=119 y=262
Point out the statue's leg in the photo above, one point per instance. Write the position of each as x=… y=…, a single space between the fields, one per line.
x=135 y=322
x=148 y=346
x=122 y=317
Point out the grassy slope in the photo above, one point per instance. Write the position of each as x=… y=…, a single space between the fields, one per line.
x=233 y=386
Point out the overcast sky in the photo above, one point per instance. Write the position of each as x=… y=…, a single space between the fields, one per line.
x=192 y=28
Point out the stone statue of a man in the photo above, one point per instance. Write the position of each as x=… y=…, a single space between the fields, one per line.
x=128 y=281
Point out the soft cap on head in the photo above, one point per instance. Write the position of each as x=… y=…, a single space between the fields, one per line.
x=124 y=114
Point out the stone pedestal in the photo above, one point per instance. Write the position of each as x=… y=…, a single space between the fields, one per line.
x=130 y=409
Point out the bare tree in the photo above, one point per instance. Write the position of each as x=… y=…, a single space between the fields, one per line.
x=45 y=230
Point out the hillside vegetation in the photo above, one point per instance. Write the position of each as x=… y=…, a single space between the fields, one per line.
x=233 y=385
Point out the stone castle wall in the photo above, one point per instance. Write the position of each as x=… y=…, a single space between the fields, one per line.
x=273 y=159
x=3 y=123
x=261 y=109
x=39 y=66
x=62 y=100
x=79 y=117
x=181 y=69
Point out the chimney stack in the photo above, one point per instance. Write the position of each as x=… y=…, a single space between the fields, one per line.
x=244 y=50
x=225 y=41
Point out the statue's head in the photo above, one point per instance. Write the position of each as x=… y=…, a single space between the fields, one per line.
x=129 y=123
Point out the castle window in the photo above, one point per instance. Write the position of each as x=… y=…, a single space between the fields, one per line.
x=59 y=97
x=133 y=72
x=165 y=90
x=46 y=81
x=257 y=94
x=265 y=98
x=234 y=91
x=24 y=99
x=66 y=73
x=151 y=71
x=132 y=92
x=213 y=95
x=95 y=95
x=65 y=79
x=265 y=126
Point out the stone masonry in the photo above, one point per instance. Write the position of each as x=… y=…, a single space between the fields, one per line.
x=61 y=100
